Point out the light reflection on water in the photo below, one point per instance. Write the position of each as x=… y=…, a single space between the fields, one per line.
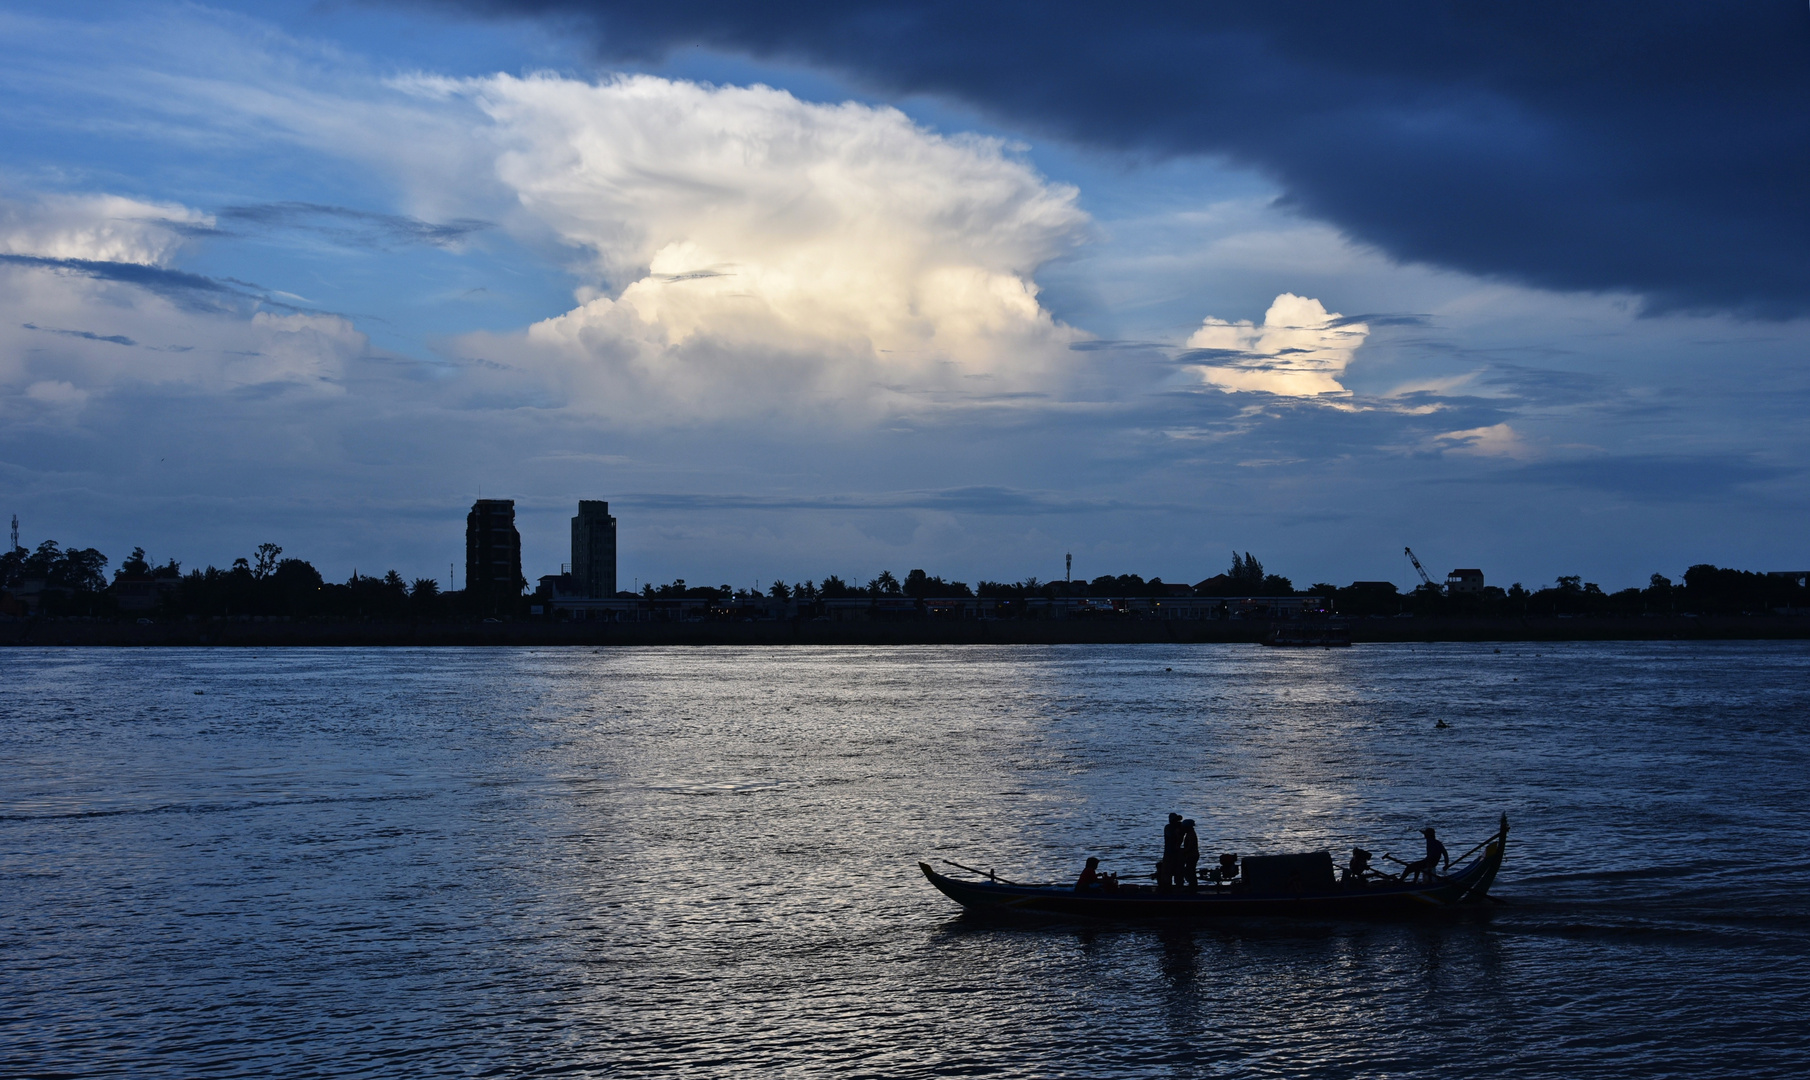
x=341 y=862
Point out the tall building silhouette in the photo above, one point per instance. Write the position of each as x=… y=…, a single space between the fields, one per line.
x=594 y=550
x=493 y=553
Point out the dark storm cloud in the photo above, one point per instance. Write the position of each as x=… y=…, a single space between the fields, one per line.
x=1659 y=147
x=356 y=227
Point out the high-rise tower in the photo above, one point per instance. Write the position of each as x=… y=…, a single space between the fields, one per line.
x=594 y=550
x=493 y=554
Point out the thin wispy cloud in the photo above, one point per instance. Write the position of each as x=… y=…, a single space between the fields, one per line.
x=346 y=225
x=978 y=500
x=1654 y=477
x=85 y=335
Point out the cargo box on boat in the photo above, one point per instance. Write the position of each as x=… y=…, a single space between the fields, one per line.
x=1295 y=875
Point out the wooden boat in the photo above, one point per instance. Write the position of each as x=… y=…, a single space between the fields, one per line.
x=1299 y=897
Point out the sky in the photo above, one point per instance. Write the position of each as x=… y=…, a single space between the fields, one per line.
x=843 y=288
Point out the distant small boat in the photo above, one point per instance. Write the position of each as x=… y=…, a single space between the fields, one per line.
x=1309 y=637
x=1307 y=891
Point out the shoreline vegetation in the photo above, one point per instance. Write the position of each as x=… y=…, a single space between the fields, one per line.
x=57 y=596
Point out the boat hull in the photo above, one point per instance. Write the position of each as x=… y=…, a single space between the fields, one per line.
x=1466 y=885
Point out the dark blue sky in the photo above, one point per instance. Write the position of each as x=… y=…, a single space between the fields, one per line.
x=851 y=287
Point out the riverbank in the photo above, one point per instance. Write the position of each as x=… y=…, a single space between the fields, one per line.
x=269 y=634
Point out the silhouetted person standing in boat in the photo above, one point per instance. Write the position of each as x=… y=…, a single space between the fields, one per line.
x=1168 y=872
x=1189 y=871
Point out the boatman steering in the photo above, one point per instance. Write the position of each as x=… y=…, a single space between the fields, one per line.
x=1436 y=863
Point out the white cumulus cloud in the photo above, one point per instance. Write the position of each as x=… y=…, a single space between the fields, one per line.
x=1299 y=350
x=97 y=228
x=751 y=248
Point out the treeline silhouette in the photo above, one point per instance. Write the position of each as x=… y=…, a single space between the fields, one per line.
x=73 y=582
x=265 y=584
x=1705 y=590
x=1246 y=578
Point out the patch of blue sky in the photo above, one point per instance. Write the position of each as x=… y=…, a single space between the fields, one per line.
x=82 y=116
x=403 y=295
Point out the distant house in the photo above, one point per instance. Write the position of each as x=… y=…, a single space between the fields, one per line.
x=557 y=587
x=141 y=593
x=30 y=594
x=1464 y=581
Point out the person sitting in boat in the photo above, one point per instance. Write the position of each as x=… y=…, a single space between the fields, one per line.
x=1090 y=875
x=1168 y=872
x=1359 y=870
x=1091 y=878
x=1430 y=867
x=1188 y=872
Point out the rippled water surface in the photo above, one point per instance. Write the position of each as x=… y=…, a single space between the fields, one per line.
x=631 y=862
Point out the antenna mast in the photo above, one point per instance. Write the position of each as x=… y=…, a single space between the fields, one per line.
x=15 y=546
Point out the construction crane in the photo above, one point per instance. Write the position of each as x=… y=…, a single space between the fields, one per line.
x=1419 y=569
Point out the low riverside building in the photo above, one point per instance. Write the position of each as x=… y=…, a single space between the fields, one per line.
x=1172 y=607
x=556 y=587
x=142 y=594
x=622 y=609
x=1460 y=582
x=961 y=607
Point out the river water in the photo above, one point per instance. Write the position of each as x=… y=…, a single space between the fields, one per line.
x=629 y=862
